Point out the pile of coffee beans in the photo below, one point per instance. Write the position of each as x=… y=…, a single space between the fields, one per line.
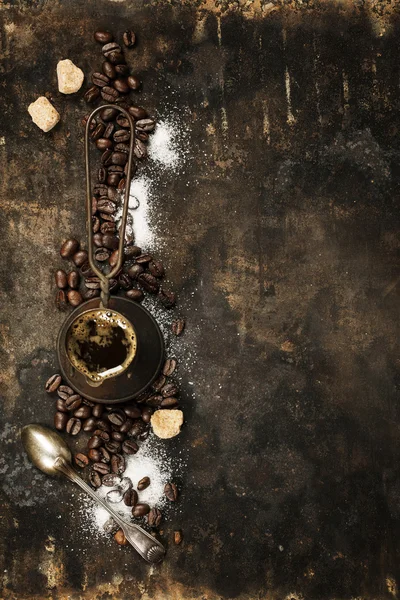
x=115 y=432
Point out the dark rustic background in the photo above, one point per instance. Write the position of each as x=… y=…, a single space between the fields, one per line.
x=282 y=239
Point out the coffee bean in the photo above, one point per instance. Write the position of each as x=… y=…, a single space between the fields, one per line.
x=121 y=85
x=110 y=241
x=100 y=79
x=98 y=240
x=61 y=279
x=97 y=410
x=103 y=425
x=94 y=455
x=125 y=428
x=109 y=94
x=97 y=133
x=109 y=70
x=138 y=112
x=73 y=402
x=89 y=424
x=147 y=411
x=113 y=179
x=116 y=169
x=111 y=47
x=137 y=429
x=119 y=158
x=131 y=497
x=140 y=510
x=169 y=402
x=104 y=37
x=66 y=389
x=135 y=295
x=81 y=460
x=123 y=121
x=106 y=206
x=73 y=426
x=60 y=405
x=102 y=254
x=133 y=82
x=113 y=446
x=169 y=389
x=92 y=283
x=95 y=442
x=73 y=280
x=169 y=366
x=129 y=38
x=117 y=436
x=108 y=133
x=156 y=268
x=154 y=401
x=69 y=248
x=154 y=518
x=132 y=411
x=171 y=492
x=113 y=261
x=178 y=326
x=139 y=149
x=92 y=94
x=178 y=537
x=129 y=447
x=125 y=281
x=143 y=483
x=117 y=417
x=101 y=468
x=53 y=383
x=122 y=69
x=60 y=420
x=74 y=297
x=168 y=298
x=121 y=136
x=148 y=282
x=145 y=124
x=120 y=538
x=114 y=496
x=143 y=259
x=107 y=227
x=95 y=479
x=117 y=464
x=159 y=383
x=104 y=144
x=111 y=480
x=135 y=270
x=105 y=455
x=106 y=157
x=83 y=412
x=142 y=135
x=79 y=258
x=100 y=189
x=112 y=283
x=95 y=224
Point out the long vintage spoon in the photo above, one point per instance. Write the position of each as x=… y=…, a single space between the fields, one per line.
x=49 y=453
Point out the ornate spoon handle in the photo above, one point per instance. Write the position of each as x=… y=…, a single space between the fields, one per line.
x=144 y=543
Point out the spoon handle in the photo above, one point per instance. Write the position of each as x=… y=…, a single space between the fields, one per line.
x=144 y=543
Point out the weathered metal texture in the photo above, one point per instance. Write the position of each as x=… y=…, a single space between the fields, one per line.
x=285 y=230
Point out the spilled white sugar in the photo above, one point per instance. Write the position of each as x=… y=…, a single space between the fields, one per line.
x=150 y=461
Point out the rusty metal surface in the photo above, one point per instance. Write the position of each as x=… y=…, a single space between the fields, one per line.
x=284 y=247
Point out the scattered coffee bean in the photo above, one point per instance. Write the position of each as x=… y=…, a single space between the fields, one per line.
x=154 y=518
x=92 y=283
x=135 y=270
x=132 y=411
x=81 y=460
x=113 y=446
x=167 y=298
x=154 y=401
x=73 y=426
x=169 y=402
x=73 y=402
x=53 y=383
x=117 y=464
x=129 y=447
x=121 y=85
x=169 y=366
x=83 y=412
x=89 y=424
x=100 y=79
x=133 y=82
x=60 y=420
x=117 y=436
x=169 y=389
x=97 y=133
x=95 y=442
x=178 y=537
x=73 y=280
x=135 y=294
x=126 y=427
x=138 y=112
x=156 y=268
x=139 y=149
x=69 y=248
x=141 y=509
x=109 y=94
x=66 y=389
x=95 y=479
x=148 y=283
x=131 y=497
x=104 y=144
x=111 y=47
x=129 y=38
x=105 y=455
x=109 y=130
x=122 y=70
x=102 y=254
x=103 y=425
x=110 y=241
x=120 y=538
x=74 y=297
x=117 y=417
x=101 y=468
x=171 y=492
x=61 y=300
x=61 y=279
x=97 y=410
x=92 y=94
x=113 y=261
x=60 y=405
x=104 y=37
x=159 y=383
x=178 y=326
x=145 y=124
x=109 y=70
x=143 y=483
x=80 y=258
x=123 y=122
x=147 y=411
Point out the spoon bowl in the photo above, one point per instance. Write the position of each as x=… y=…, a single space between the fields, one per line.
x=43 y=447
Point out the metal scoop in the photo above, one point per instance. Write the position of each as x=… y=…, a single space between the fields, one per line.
x=49 y=453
